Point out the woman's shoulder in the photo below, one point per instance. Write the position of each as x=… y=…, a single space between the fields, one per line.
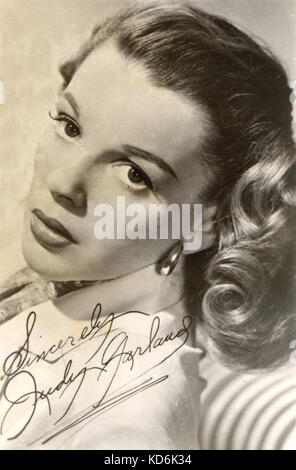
x=21 y=291
x=26 y=289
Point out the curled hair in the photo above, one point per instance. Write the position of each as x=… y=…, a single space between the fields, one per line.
x=248 y=306
x=249 y=303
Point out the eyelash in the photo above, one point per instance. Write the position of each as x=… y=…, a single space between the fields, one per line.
x=62 y=117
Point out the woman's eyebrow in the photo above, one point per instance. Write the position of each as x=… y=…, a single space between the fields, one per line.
x=72 y=102
x=137 y=152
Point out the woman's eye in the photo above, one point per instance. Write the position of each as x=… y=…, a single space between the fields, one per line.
x=71 y=130
x=69 y=126
x=132 y=176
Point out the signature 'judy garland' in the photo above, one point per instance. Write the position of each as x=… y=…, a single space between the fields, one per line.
x=112 y=349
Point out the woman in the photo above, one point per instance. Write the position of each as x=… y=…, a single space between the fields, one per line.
x=170 y=105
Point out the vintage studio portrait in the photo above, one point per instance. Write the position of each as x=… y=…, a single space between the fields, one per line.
x=148 y=192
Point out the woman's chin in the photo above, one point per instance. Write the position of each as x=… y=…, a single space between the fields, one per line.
x=52 y=267
x=39 y=260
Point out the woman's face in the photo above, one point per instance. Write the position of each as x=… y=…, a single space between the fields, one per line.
x=113 y=134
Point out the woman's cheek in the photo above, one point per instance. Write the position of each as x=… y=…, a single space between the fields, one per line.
x=125 y=211
x=55 y=152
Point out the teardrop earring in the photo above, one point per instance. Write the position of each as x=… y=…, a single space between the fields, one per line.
x=171 y=260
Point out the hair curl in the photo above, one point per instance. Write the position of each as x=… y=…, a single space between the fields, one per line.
x=247 y=293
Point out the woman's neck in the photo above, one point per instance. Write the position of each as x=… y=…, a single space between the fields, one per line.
x=144 y=290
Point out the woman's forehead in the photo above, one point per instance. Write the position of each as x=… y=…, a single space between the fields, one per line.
x=116 y=94
x=107 y=73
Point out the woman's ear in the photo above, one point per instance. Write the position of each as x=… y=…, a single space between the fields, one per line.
x=204 y=234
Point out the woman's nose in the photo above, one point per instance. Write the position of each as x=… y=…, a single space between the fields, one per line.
x=67 y=189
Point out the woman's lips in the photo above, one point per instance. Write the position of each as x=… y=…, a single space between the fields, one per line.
x=48 y=232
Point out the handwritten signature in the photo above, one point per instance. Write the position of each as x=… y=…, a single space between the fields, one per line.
x=112 y=350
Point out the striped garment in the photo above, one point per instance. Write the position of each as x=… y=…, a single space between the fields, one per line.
x=248 y=412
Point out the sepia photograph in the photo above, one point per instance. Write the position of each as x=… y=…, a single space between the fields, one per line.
x=147 y=237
